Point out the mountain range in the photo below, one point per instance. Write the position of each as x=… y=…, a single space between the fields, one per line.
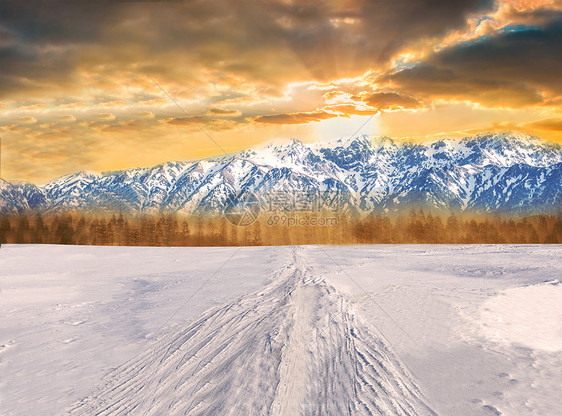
x=500 y=172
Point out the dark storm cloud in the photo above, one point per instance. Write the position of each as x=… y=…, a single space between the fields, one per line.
x=50 y=42
x=335 y=39
x=56 y=21
x=400 y=22
x=516 y=67
x=536 y=16
x=45 y=36
x=533 y=54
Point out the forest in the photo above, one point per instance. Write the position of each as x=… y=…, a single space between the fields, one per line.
x=414 y=227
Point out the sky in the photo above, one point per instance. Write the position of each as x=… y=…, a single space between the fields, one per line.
x=111 y=85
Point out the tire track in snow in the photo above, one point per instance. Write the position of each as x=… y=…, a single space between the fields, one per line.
x=295 y=347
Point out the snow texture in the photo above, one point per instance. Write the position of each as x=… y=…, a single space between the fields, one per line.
x=391 y=330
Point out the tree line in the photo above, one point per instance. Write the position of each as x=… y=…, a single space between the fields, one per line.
x=415 y=227
x=421 y=228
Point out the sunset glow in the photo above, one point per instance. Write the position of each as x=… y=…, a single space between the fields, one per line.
x=79 y=79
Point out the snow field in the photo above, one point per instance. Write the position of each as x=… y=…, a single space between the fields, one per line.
x=393 y=330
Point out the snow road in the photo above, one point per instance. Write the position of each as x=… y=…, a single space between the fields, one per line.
x=464 y=330
x=293 y=348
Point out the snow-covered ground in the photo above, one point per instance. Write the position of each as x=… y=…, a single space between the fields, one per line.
x=451 y=330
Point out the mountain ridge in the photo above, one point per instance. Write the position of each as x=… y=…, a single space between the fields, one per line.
x=490 y=172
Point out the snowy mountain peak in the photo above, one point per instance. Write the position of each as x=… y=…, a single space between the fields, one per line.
x=354 y=142
x=506 y=148
x=73 y=178
x=506 y=138
x=496 y=171
x=292 y=151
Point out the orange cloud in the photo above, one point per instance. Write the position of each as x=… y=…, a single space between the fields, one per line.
x=114 y=103
x=126 y=126
x=546 y=124
x=245 y=100
x=26 y=120
x=10 y=127
x=262 y=66
x=224 y=112
x=146 y=114
x=391 y=101
x=347 y=110
x=71 y=106
x=106 y=116
x=215 y=124
x=153 y=102
x=294 y=118
x=68 y=118
x=33 y=107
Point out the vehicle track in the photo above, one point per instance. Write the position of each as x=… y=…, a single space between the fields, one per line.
x=296 y=347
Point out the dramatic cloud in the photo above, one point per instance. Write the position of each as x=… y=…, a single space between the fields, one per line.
x=101 y=81
x=518 y=66
x=60 y=43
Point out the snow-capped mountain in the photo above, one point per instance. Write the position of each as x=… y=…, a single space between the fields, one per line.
x=493 y=172
x=20 y=198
